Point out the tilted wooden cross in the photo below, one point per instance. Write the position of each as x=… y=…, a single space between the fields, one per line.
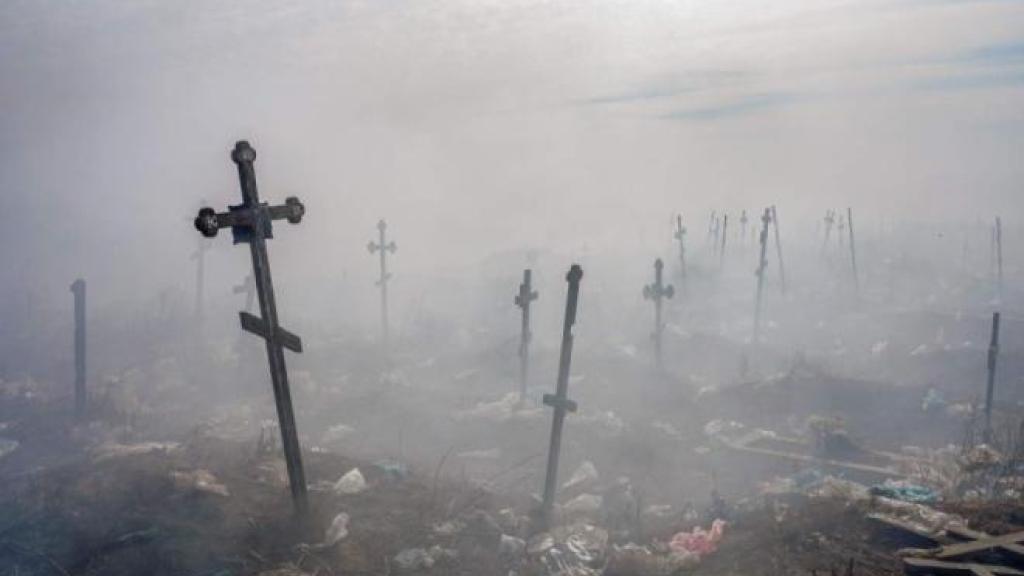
x=383 y=247
x=251 y=222
x=78 y=289
x=680 y=236
x=657 y=292
x=762 y=265
x=560 y=401
x=526 y=295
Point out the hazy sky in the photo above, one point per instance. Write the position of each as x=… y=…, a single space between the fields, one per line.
x=477 y=126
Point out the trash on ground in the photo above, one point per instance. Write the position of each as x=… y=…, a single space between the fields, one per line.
x=698 y=542
x=199 y=481
x=352 y=482
x=905 y=491
x=584 y=475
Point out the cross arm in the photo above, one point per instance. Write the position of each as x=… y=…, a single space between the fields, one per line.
x=257 y=326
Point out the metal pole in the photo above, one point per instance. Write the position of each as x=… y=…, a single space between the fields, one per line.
x=78 y=289
x=993 y=354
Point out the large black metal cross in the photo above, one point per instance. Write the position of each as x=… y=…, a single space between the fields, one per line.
x=526 y=295
x=78 y=289
x=383 y=247
x=680 y=235
x=762 y=266
x=656 y=292
x=251 y=222
x=560 y=401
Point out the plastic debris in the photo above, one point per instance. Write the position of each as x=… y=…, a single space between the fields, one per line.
x=584 y=504
x=511 y=546
x=337 y=433
x=337 y=531
x=698 y=542
x=352 y=482
x=933 y=400
x=584 y=475
x=507 y=408
x=489 y=454
x=412 y=559
x=392 y=469
x=576 y=550
x=199 y=481
x=905 y=491
x=109 y=450
x=7 y=446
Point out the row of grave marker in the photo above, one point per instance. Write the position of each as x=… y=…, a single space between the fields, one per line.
x=251 y=223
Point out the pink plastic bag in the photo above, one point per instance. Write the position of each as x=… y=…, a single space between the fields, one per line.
x=699 y=542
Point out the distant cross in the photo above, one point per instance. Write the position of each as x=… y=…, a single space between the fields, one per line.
x=778 y=249
x=656 y=292
x=830 y=219
x=711 y=227
x=383 y=247
x=762 y=266
x=203 y=246
x=680 y=236
x=251 y=222
x=840 y=227
x=990 y=388
x=721 y=251
x=247 y=287
x=78 y=289
x=743 y=227
x=853 y=254
x=560 y=401
x=526 y=295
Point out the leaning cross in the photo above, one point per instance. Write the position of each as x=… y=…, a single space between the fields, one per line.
x=721 y=251
x=762 y=265
x=778 y=249
x=830 y=218
x=990 y=388
x=247 y=287
x=251 y=222
x=78 y=289
x=853 y=254
x=383 y=247
x=657 y=292
x=680 y=235
x=526 y=295
x=560 y=401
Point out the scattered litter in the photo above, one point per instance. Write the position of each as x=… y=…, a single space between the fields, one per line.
x=392 y=469
x=507 y=408
x=635 y=559
x=337 y=433
x=448 y=528
x=584 y=504
x=905 y=491
x=109 y=450
x=199 y=481
x=920 y=516
x=577 y=550
x=489 y=454
x=412 y=559
x=585 y=474
x=7 y=446
x=337 y=531
x=606 y=422
x=933 y=400
x=352 y=482
x=698 y=542
x=510 y=546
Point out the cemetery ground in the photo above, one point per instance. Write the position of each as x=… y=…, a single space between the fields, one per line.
x=177 y=468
